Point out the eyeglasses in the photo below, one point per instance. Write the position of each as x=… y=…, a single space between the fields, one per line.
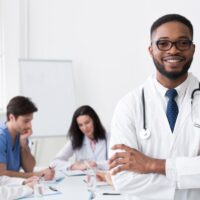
x=165 y=45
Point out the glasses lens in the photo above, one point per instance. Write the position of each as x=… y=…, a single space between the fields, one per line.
x=183 y=44
x=164 y=45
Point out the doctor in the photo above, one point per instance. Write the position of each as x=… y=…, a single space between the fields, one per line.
x=155 y=150
x=87 y=142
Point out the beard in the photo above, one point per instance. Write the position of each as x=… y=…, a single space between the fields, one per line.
x=172 y=75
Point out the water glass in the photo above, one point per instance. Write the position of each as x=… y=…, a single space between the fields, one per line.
x=38 y=190
x=91 y=181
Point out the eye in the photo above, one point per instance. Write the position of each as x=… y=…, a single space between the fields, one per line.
x=184 y=42
x=80 y=125
x=163 y=43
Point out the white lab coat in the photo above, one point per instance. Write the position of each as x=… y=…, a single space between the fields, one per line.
x=181 y=148
x=12 y=188
x=62 y=159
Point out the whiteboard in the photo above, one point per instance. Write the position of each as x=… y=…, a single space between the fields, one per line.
x=50 y=85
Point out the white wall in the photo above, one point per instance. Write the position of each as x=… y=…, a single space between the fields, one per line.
x=11 y=27
x=107 y=41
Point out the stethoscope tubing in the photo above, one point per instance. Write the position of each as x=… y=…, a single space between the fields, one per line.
x=195 y=90
x=144 y=107
x=143 y=110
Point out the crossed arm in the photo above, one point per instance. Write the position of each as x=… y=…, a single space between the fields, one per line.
x=47 y=173
x=133 y=160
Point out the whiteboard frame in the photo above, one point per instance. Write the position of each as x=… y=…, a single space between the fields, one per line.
x=67 y=111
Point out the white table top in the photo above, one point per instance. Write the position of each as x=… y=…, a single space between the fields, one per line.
x=74 y=188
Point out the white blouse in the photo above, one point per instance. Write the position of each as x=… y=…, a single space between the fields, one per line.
x=99 y=154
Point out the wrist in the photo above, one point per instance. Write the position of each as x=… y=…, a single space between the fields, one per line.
x=24 y=146
x=156 y=166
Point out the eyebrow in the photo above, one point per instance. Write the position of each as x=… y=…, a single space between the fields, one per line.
x=167 y=38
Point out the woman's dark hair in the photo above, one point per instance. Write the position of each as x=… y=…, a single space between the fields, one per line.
x=76 y=135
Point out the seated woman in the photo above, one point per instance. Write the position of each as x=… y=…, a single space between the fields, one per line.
x=87 y=142
x=14 y=188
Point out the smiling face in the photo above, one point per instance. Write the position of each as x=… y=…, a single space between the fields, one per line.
x=174 y=63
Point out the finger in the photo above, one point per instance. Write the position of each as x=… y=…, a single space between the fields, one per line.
x=121 y=146
x=117 y=163
x=118 y=169
x=118 y=155
x=27 y=131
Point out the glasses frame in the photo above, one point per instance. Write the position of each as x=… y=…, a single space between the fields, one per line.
x=175 y=43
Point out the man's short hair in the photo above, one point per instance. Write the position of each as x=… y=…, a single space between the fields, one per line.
x=171 y=18
x=20 y=105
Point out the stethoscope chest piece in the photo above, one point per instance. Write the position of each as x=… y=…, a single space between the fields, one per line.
x=145 y=134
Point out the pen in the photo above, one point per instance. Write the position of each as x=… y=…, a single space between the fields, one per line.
x=53 y=189
x=111 y=193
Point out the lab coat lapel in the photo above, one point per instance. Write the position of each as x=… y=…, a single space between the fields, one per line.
x=184 y=111
x=157 y=123
x=157 y=111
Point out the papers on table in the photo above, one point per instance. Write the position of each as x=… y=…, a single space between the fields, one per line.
x=101 y=183
x=44 y=190
x=50 y=190
x=73 y=172
x=58 y=177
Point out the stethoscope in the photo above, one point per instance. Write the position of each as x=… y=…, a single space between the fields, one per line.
x=145 y=132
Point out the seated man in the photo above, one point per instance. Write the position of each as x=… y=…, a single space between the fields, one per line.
x=14 y=150
x=14 y=188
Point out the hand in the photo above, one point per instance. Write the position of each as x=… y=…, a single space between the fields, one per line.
x=47 y=173
x=83 y=165
x=101 y=176
x=129 y=159
x=78 y=166
x=24 y=136
x=91 y=164
x=104 y=176
x=30 y=182
x=31 y=179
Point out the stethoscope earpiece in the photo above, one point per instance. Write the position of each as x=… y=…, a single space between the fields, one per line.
x=145 y=134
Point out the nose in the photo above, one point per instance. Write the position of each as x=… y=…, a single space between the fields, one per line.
x=84 y=127
x=173 y=49
x=29 y=125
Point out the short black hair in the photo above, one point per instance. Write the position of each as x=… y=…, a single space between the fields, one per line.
x=20 y=105
x=170 y=18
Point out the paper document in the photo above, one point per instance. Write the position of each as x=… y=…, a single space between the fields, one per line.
x=46 y=190
x=58 y=177
x=74 y=172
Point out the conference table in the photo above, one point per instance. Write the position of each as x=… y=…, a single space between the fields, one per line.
x=75 y=188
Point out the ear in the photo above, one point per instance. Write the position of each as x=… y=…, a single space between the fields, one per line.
x=11 y=117
x=150 y=51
